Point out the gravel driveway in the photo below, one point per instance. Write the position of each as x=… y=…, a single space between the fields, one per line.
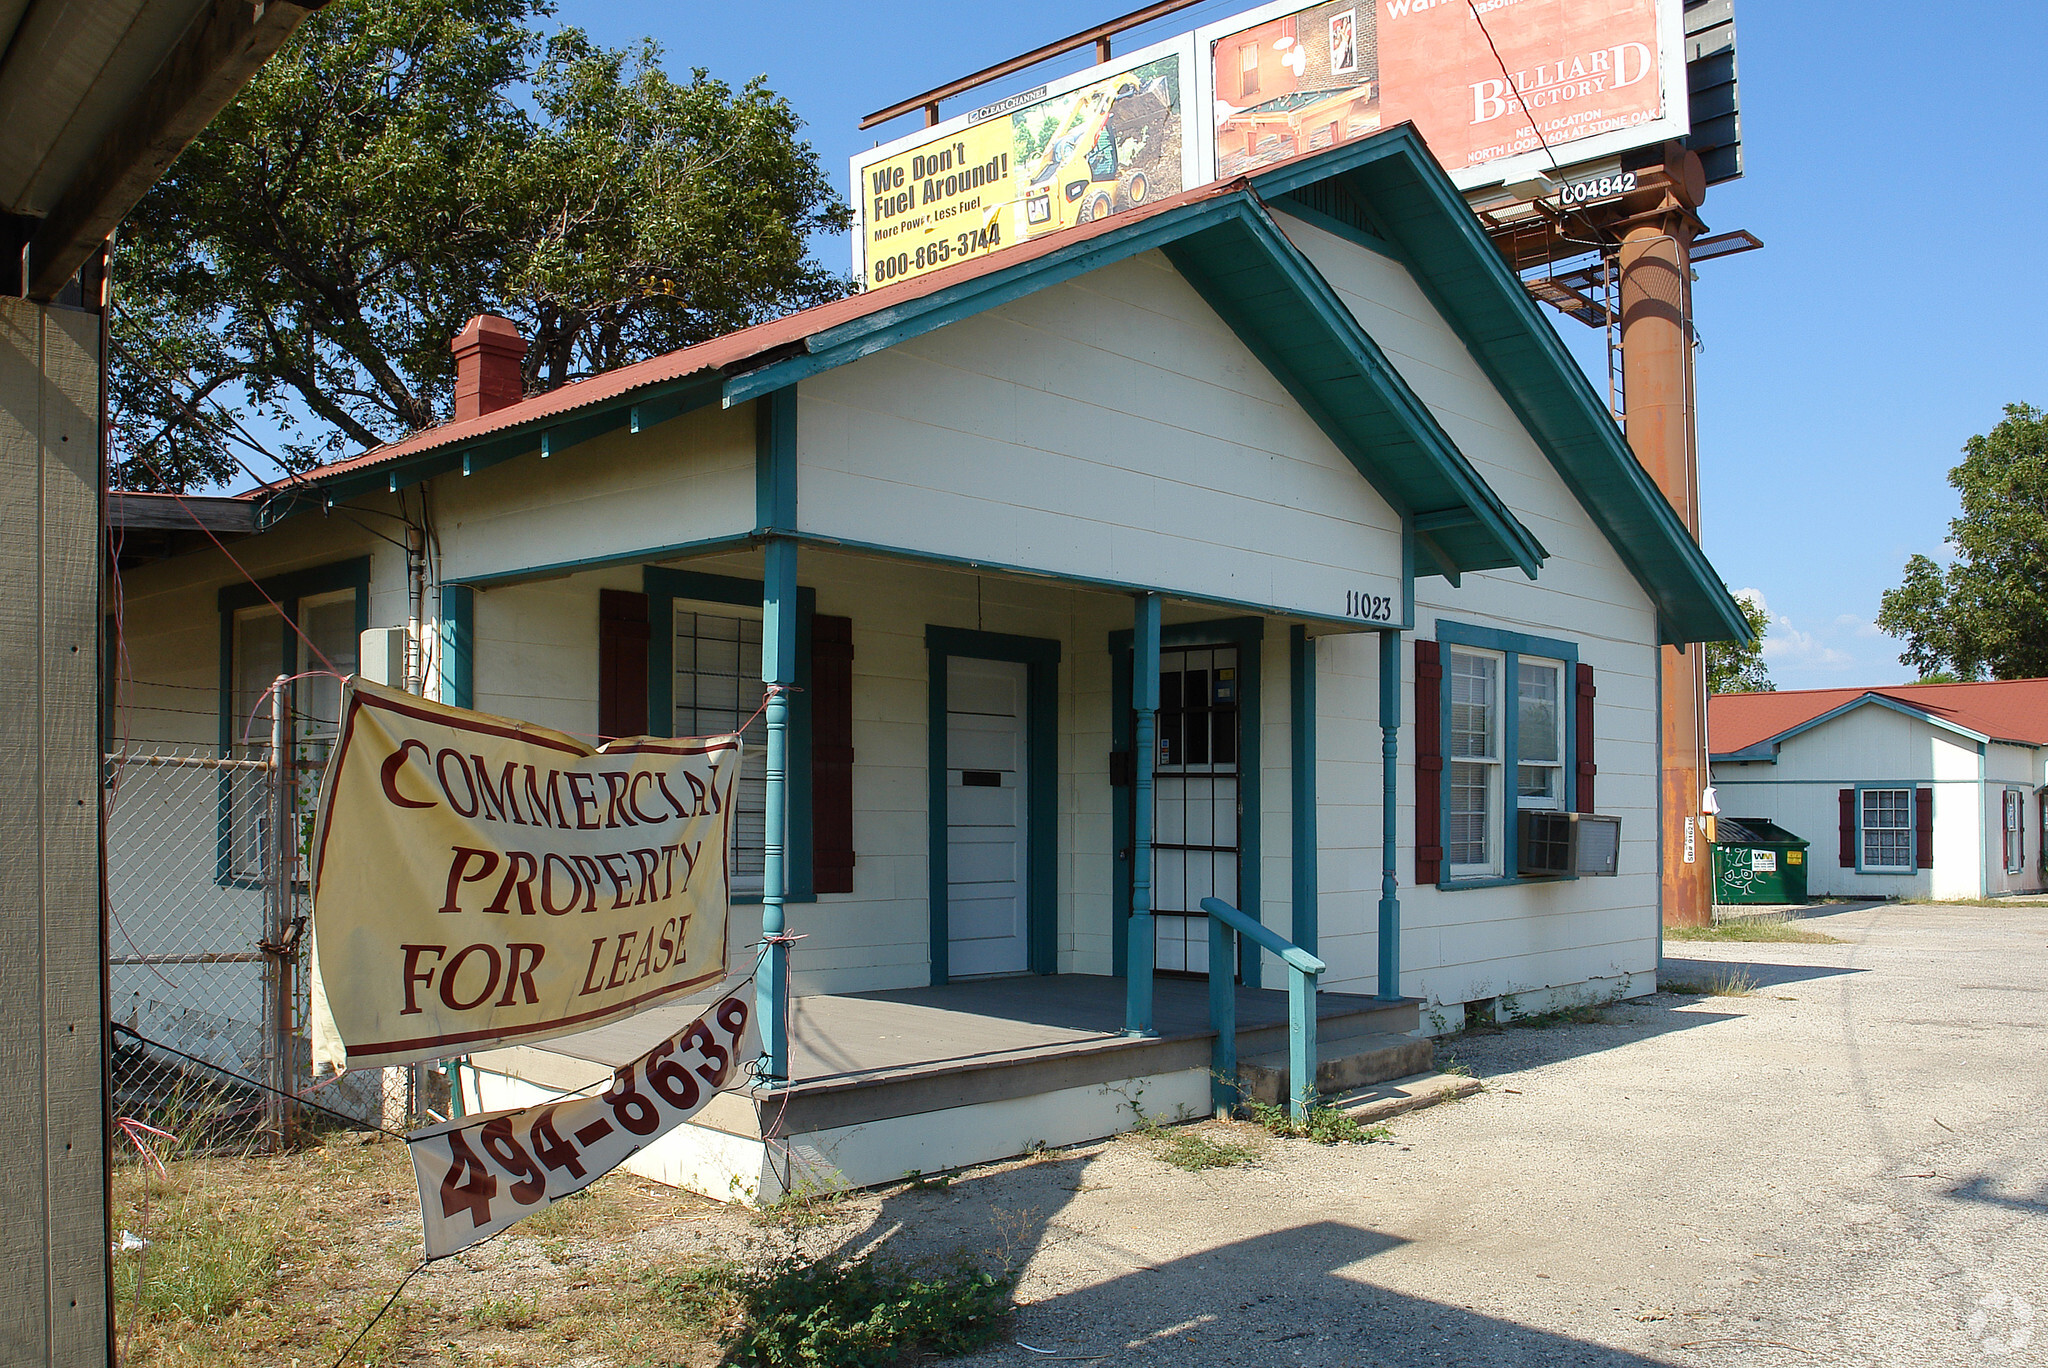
x=1845 y=1167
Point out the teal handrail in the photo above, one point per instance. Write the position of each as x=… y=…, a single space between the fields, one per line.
x=1225 y=924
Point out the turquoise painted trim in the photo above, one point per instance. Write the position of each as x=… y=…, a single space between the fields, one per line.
x=1141 y=956
x=775 y=461
x=458 y=645
x=1226 y=924
x=1512 y=647
x=1090 y=582
x=1388 y=984
x=885 y=328
x=778 y=649
x=1247 y=634
x=1041 y=658
x=1288 y=316
x=285 y=591
x=1301 y=714
x=640 y=556
x=1446 y=250
x=549 y=436
x=663 y=586
x=1913 y=809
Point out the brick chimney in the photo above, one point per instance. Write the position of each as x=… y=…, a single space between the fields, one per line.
x=488 y=352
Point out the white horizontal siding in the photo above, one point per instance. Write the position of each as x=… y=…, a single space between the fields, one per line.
x=1112 y=429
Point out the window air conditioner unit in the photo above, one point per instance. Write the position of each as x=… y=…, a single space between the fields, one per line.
x=1556 y=844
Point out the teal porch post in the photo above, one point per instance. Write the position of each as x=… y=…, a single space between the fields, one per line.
x=1302 y=707
x=1390 y=755
x=1144 y=756
x=778 y=672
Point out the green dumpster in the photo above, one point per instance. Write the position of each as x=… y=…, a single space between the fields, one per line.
x=1757 y=862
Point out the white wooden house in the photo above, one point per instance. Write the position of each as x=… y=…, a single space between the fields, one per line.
x=1293 y=459
x=1909 y=791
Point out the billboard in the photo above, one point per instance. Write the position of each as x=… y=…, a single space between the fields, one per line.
x=1500 y=89
x=1072 y=152
x=1497 y=88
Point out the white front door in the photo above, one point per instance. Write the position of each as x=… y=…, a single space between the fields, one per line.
x=987 y=923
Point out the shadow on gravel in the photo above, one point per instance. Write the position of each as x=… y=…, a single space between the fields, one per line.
x=1978 y=1189
x=1764 y=975
x=1299 y=1296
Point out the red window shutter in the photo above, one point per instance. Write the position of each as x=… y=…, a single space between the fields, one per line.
x=621 y=663
x=1848 y=828
x=832 y=754
x=1923 y=828
x=1429 y=764
x=1587 y=769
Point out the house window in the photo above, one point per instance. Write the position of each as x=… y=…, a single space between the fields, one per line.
x=306 y=625
x=1472 y=842
x=1886 y=821
x=1506 y=732
x=2015 y=833
x=718 y=690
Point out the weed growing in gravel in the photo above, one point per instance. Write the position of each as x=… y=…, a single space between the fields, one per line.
x=1450 y=1064
x=812 y=1313
x=1733 y=981
x=1193 y=1151
x=1325 y=1125
x=1770 y=926
x=803 y=1207
x=914 y=1180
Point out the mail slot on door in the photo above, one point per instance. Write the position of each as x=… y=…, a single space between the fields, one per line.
x=981 y=778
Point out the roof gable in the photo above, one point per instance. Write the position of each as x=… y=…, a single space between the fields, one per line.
x=1749 y=726
x=1223 y=241
x=1391 y=183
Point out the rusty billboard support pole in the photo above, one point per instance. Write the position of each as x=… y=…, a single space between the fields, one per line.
x=1657 y=368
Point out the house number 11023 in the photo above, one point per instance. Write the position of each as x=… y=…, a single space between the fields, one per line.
x=1371 y=607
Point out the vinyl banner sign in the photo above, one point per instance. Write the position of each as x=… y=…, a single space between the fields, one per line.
x=1072 y=152
x=478 y=881
x=479 y=1174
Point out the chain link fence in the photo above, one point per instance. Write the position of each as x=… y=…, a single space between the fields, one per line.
x=206 y=951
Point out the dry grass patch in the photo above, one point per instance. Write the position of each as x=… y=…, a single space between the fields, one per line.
x=273 y=1260
x=1768 y=926
x=1733 y=981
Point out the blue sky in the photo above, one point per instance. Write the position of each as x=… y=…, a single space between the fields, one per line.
x=1895 y=175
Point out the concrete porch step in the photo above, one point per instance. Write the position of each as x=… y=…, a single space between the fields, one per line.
x=1342 y=1064
x=1379 y=1101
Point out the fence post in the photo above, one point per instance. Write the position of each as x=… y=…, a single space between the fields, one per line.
x=277 y=985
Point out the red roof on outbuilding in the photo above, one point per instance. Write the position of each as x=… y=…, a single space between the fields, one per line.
x=2003 y=709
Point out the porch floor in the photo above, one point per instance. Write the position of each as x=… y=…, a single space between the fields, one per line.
x=860 y=1057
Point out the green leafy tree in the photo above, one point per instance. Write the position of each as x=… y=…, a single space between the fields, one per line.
x=1733 y=668
x=1983 y=614
x=405 y=164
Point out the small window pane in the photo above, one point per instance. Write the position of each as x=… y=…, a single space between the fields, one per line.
x=1541 y=737
x=1473 y=685
x=1887 y=829
x=1468 y=841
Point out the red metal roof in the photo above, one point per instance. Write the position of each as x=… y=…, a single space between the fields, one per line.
x=2004 y=710
x=734 y=349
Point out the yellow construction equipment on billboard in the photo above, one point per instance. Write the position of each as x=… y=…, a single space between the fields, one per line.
x=1055 y=157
